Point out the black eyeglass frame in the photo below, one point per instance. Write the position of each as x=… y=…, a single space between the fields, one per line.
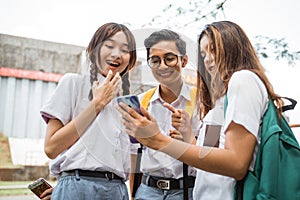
x=164 y=58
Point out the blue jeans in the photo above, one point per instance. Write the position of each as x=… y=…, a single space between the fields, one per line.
x=88 y=188
x=145 y=192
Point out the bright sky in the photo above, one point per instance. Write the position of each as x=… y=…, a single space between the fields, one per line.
x=75 y=21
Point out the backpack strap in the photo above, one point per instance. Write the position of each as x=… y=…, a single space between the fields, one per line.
x=138 y=175
x=189 y=107
x=289 y=107
x=147 y=96
x=185 y=186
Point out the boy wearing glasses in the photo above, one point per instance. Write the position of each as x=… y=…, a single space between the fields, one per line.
x=163 y=175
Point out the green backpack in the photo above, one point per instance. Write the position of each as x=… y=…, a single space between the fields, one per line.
x=276 y=172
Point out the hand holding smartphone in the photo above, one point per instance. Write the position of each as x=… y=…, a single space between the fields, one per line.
x=133 y=102
x=39 y=186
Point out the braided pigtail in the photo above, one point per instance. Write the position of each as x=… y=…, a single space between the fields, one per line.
x=93 y=78
x=125 y=84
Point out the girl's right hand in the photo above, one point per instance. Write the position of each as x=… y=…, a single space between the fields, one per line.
x=142 y=127
x=107 y=91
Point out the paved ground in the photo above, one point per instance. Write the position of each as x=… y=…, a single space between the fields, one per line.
x=26 y=197
x=22 y=197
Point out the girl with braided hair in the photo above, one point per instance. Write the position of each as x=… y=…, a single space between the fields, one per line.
x=90 y=155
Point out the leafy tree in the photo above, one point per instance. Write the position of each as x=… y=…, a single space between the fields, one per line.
x=192 y=14
x=278 y=47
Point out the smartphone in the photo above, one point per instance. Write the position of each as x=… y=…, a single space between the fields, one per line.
x=39 y=186
x=133 y=102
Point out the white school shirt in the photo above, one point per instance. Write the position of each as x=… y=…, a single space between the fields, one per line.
x=103 y=146
x=247 y=102
x=156 y=163
x=209 y=185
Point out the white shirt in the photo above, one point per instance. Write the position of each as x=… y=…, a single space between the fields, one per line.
x=103 y=146
x=247 y=102
x=209 y=185
x=156 y=163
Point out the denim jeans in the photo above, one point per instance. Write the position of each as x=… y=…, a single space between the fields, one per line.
x=88 y=188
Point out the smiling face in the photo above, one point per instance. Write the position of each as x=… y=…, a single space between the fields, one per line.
x=164 y=52
x=113 y=54
x=206 y=51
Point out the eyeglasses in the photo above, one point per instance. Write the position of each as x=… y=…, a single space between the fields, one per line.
x=170 y=60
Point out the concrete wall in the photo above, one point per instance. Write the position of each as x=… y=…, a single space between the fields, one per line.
x=24 y=173
x=39 y=55
x=26 y=68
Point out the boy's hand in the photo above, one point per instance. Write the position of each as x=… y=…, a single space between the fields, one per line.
x=181 y=122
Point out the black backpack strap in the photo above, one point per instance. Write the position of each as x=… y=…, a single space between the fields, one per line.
x=240 y=189
x=185 y=185
x=289 y=107
x=137 y=174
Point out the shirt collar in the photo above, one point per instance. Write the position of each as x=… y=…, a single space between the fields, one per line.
x=184 y=92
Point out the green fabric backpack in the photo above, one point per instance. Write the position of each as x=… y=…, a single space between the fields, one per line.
x=276 y=172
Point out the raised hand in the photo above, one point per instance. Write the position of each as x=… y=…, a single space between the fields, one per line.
x=176 y=135
x=181 y=122
x=107 y=91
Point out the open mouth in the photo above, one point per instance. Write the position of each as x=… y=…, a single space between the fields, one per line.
x=113 y=64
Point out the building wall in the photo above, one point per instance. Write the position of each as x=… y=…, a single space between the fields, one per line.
x=39 y=55
x=20 y=102
x=29 y=72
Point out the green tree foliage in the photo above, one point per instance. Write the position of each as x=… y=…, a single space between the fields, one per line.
x=267 y=47
x=193 y=14
x=187 y=13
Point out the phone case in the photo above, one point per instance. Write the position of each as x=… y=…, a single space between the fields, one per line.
x=133 y=102
x=39 y=186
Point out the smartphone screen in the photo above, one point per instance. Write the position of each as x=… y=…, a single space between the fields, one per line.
x=133 y=102
x=39 y=186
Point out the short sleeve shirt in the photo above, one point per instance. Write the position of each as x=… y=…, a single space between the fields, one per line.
x=247 y=102
x=210 y=185
x=103 y=146
x=156 y=163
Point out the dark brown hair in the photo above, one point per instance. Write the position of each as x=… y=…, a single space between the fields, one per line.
x=165 y=35
x=102 y=34
x=232 y=52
